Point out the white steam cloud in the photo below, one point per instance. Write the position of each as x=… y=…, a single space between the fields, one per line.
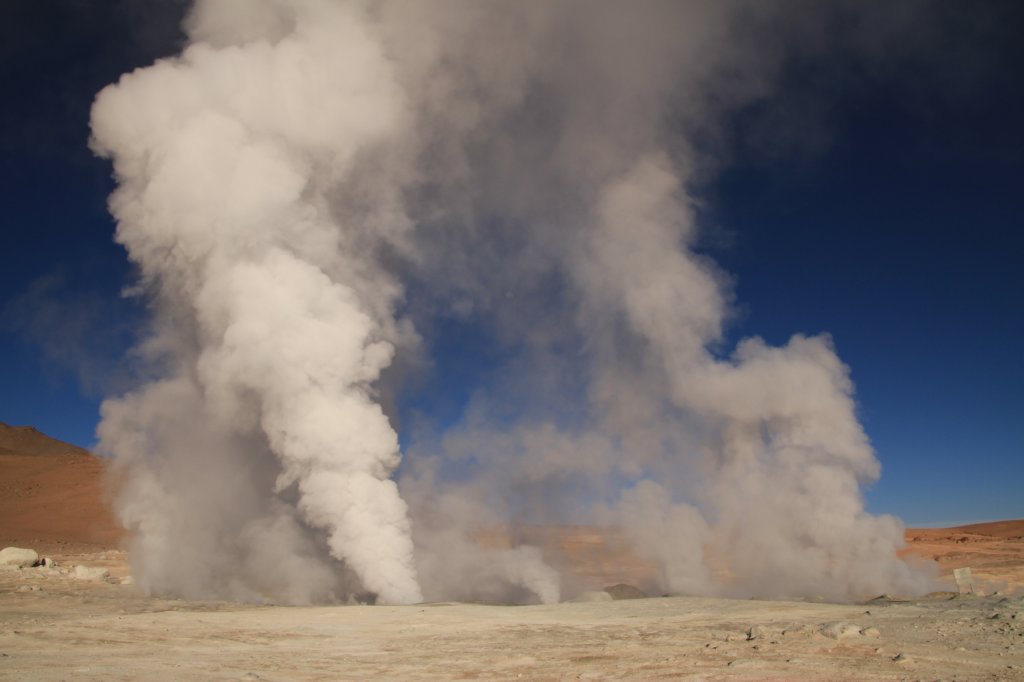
x=314 y=189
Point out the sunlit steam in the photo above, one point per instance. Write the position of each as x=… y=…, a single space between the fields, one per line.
x=314 y=191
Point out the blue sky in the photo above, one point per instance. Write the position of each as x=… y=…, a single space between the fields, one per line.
x=880 y=203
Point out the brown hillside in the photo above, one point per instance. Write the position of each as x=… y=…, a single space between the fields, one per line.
x=993 y=551
x=51 y=494
x=26 y=440
x=1009 y=530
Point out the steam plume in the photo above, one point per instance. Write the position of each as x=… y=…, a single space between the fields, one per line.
x=313 y=189
x=276 y=322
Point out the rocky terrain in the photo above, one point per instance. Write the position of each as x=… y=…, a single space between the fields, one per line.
x=69 y=610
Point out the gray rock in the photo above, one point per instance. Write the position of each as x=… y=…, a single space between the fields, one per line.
x=840 y=630
x=798 y=631
x=91 y=573
x=757 y=632
x=623 y=591
x=17 y=557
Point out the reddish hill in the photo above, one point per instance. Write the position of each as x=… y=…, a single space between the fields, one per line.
x=993 y=551
x=51 y=494
x=25 y=440
x=1008 y=530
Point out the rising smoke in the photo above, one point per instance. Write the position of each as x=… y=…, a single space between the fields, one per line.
x=316 y=192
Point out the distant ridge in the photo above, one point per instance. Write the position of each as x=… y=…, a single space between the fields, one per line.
x=1004 y=528
x=27 y=440
x=52 y=494
x=1010 y=528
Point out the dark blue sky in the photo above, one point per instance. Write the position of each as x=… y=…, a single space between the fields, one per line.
x=873 y=198
x=899 y=231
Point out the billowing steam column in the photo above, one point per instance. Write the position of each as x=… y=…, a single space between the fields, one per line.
x=306 y=170
x=271 y=325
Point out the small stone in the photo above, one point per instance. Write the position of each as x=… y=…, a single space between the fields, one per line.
x=902 y=658
x=800 y=631
x=871 y=632
x=18 y=557
x=623 y=591
x=91 y=573
x=756 y=632
x=840 y=630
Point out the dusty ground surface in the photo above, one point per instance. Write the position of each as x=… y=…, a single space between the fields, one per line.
x=54 y=626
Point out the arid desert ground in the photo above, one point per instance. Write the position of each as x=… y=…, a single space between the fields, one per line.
x=68 y=623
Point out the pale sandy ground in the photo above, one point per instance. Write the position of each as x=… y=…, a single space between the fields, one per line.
x=54 y=627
